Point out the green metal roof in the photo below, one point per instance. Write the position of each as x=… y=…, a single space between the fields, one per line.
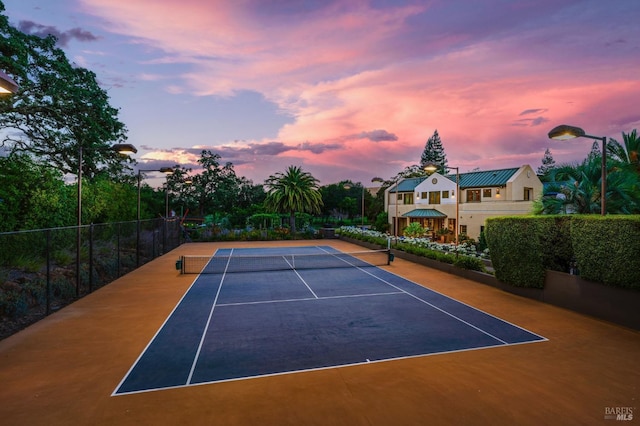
x=467 y=180
x=408 y=185
x=424 y=213
x=484 y=179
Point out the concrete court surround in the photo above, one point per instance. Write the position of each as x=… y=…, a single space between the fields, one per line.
x=63 y=369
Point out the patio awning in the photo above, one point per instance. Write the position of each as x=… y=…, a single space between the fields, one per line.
x=429 y=213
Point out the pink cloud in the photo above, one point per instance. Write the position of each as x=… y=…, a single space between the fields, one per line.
x=348 y=69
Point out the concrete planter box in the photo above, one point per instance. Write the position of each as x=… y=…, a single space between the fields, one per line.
x=614 y=304
x=328 y=232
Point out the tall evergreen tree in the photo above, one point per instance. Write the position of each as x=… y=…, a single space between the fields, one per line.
x=434 y=153
x=595 y=151
x=548 y=164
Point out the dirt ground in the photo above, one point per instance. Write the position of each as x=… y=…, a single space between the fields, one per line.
x=64 y=369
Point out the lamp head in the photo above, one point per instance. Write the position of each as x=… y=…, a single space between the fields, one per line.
x=7 y=85
x=565 y=132
x=124 y=148
x=431 y=167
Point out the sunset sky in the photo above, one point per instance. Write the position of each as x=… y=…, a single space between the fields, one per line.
x=353 y=89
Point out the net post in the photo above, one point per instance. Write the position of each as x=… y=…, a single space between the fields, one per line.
x=180 y=265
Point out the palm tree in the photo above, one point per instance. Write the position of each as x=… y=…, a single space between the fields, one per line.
x=578 y=188
x=627 y=153
x=291 y=192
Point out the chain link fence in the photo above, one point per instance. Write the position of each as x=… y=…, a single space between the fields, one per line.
x=44 y=270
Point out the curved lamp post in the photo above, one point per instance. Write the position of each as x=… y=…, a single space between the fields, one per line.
x=167 y=171
x=375 y=179
x=395 y=219
x=432 y=167
x=121 y=148
x=565 y=132
x=349 y=186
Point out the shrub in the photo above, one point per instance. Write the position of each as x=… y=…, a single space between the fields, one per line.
x=414 y=230
x=472 y=263
x=606 y=249
x=516 y=253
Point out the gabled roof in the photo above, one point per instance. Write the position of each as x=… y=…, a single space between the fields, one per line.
x=424 y=213
x=467 y=180
x=484 y=179
x=408 y=185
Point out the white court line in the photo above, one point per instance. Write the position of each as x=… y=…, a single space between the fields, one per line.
x=306 y=370
x=206 y=328
x=346 y=296
x=400 y=291
x=434 y=306
x=301 y=279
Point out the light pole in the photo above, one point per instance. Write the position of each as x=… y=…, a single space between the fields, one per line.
x=121 y=148
x=565 y=132
x=167 y=171
x=395 y=219
x=348 y=186
x=432 y=168
x=375 y=179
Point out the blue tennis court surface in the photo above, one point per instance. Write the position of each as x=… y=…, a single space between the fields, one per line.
x=239 y=325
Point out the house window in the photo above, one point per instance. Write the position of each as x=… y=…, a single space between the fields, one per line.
x=434 y=197
x=528 y=194
x=445 y=194
x=424 y=195
x=408 y=198
x=486 y=193
x=463 y=229
x=473 y=195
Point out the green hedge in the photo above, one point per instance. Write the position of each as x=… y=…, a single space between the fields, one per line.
x=605 y=248
x=516 y=250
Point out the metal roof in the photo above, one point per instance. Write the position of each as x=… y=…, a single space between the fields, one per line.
x=467 y=180
x=484 y=179
x=408 y=185
x=424 y=213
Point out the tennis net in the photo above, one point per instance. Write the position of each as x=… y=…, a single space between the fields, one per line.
x=192 y=264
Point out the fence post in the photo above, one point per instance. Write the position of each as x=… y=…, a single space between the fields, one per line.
x=118 y=247
x=90 y=258
x=48 y=290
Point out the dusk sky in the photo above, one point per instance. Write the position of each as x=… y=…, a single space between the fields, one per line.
x=353 y=89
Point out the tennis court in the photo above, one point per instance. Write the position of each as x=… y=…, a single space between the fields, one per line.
x=254 y=312
x=64 y=369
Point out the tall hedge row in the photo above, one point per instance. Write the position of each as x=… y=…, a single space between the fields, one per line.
x=606 y=249
x=516 y=251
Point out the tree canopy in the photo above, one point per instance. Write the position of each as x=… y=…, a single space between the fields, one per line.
x=293 y=191
x=434 y=153
x=576 y=188
x=59 y=108
x=548 y=164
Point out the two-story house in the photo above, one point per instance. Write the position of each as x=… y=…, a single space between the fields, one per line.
x=431 y=200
